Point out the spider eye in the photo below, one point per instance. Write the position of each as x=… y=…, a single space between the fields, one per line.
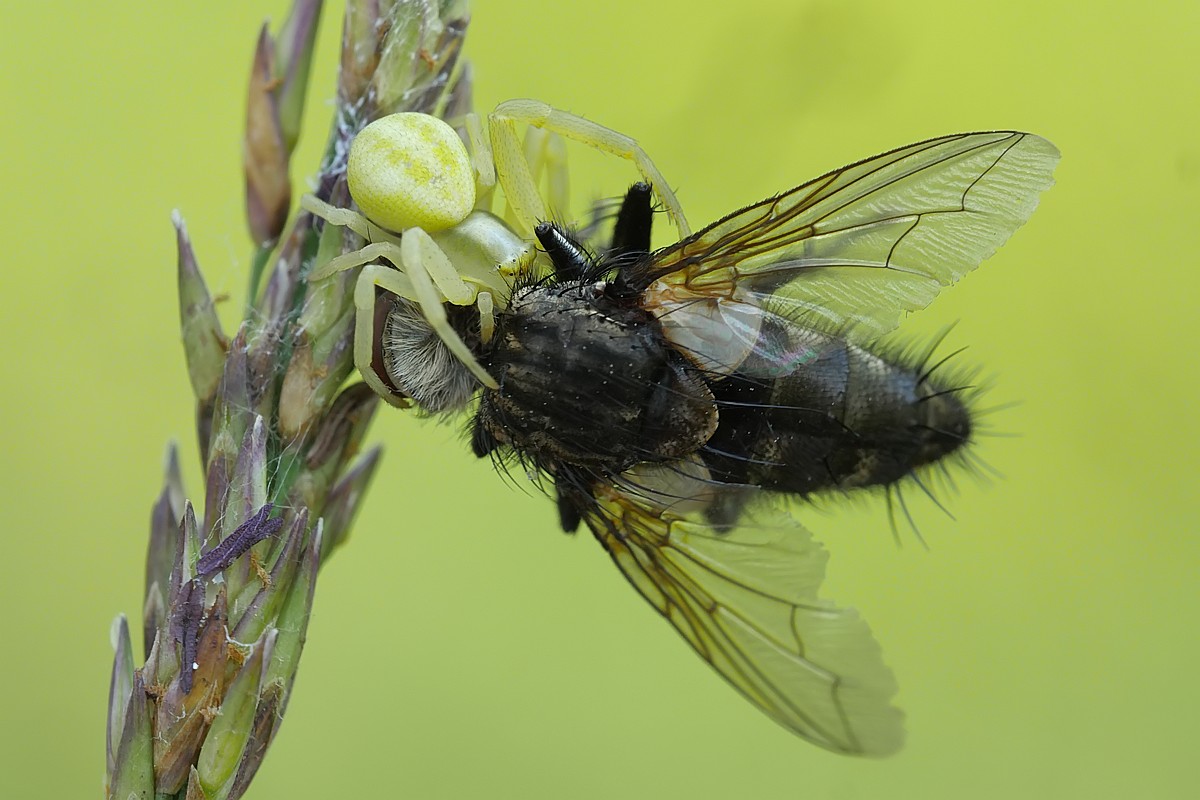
x=411 y=170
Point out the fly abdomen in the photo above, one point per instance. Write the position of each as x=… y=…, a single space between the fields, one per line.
x=899 y=419
x=838 y=417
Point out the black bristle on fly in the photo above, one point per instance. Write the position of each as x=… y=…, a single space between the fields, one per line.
x=571 y=261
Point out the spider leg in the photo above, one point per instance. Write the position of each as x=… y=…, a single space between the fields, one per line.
x=513 y=169
x=389 y=280
x=423 y=261
x=443 y=274
x=546 y=154
x=344 y=217
x=481 y=162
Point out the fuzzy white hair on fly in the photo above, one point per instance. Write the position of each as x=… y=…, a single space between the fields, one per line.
x=421 y=365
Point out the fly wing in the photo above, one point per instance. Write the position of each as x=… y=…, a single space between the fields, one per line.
x=744 y=597
x=853 y=250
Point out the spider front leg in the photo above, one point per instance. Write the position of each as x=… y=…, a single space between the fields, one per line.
x=392 y=281
x=425 y=276
x=426 y=265
x=438 y=269
x=513 y=168
x=546 y=155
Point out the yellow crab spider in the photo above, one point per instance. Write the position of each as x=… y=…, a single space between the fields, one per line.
x=424 y=201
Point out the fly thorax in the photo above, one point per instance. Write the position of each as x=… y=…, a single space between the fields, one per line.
x=587 y=380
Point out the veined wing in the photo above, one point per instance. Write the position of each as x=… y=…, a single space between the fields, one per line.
x=745 y=598
x=853 y=250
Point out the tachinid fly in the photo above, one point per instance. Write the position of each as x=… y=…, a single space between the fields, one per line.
x=674 y=396
x=591 y=385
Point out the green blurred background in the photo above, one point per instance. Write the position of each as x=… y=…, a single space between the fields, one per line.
x=1046 y=645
